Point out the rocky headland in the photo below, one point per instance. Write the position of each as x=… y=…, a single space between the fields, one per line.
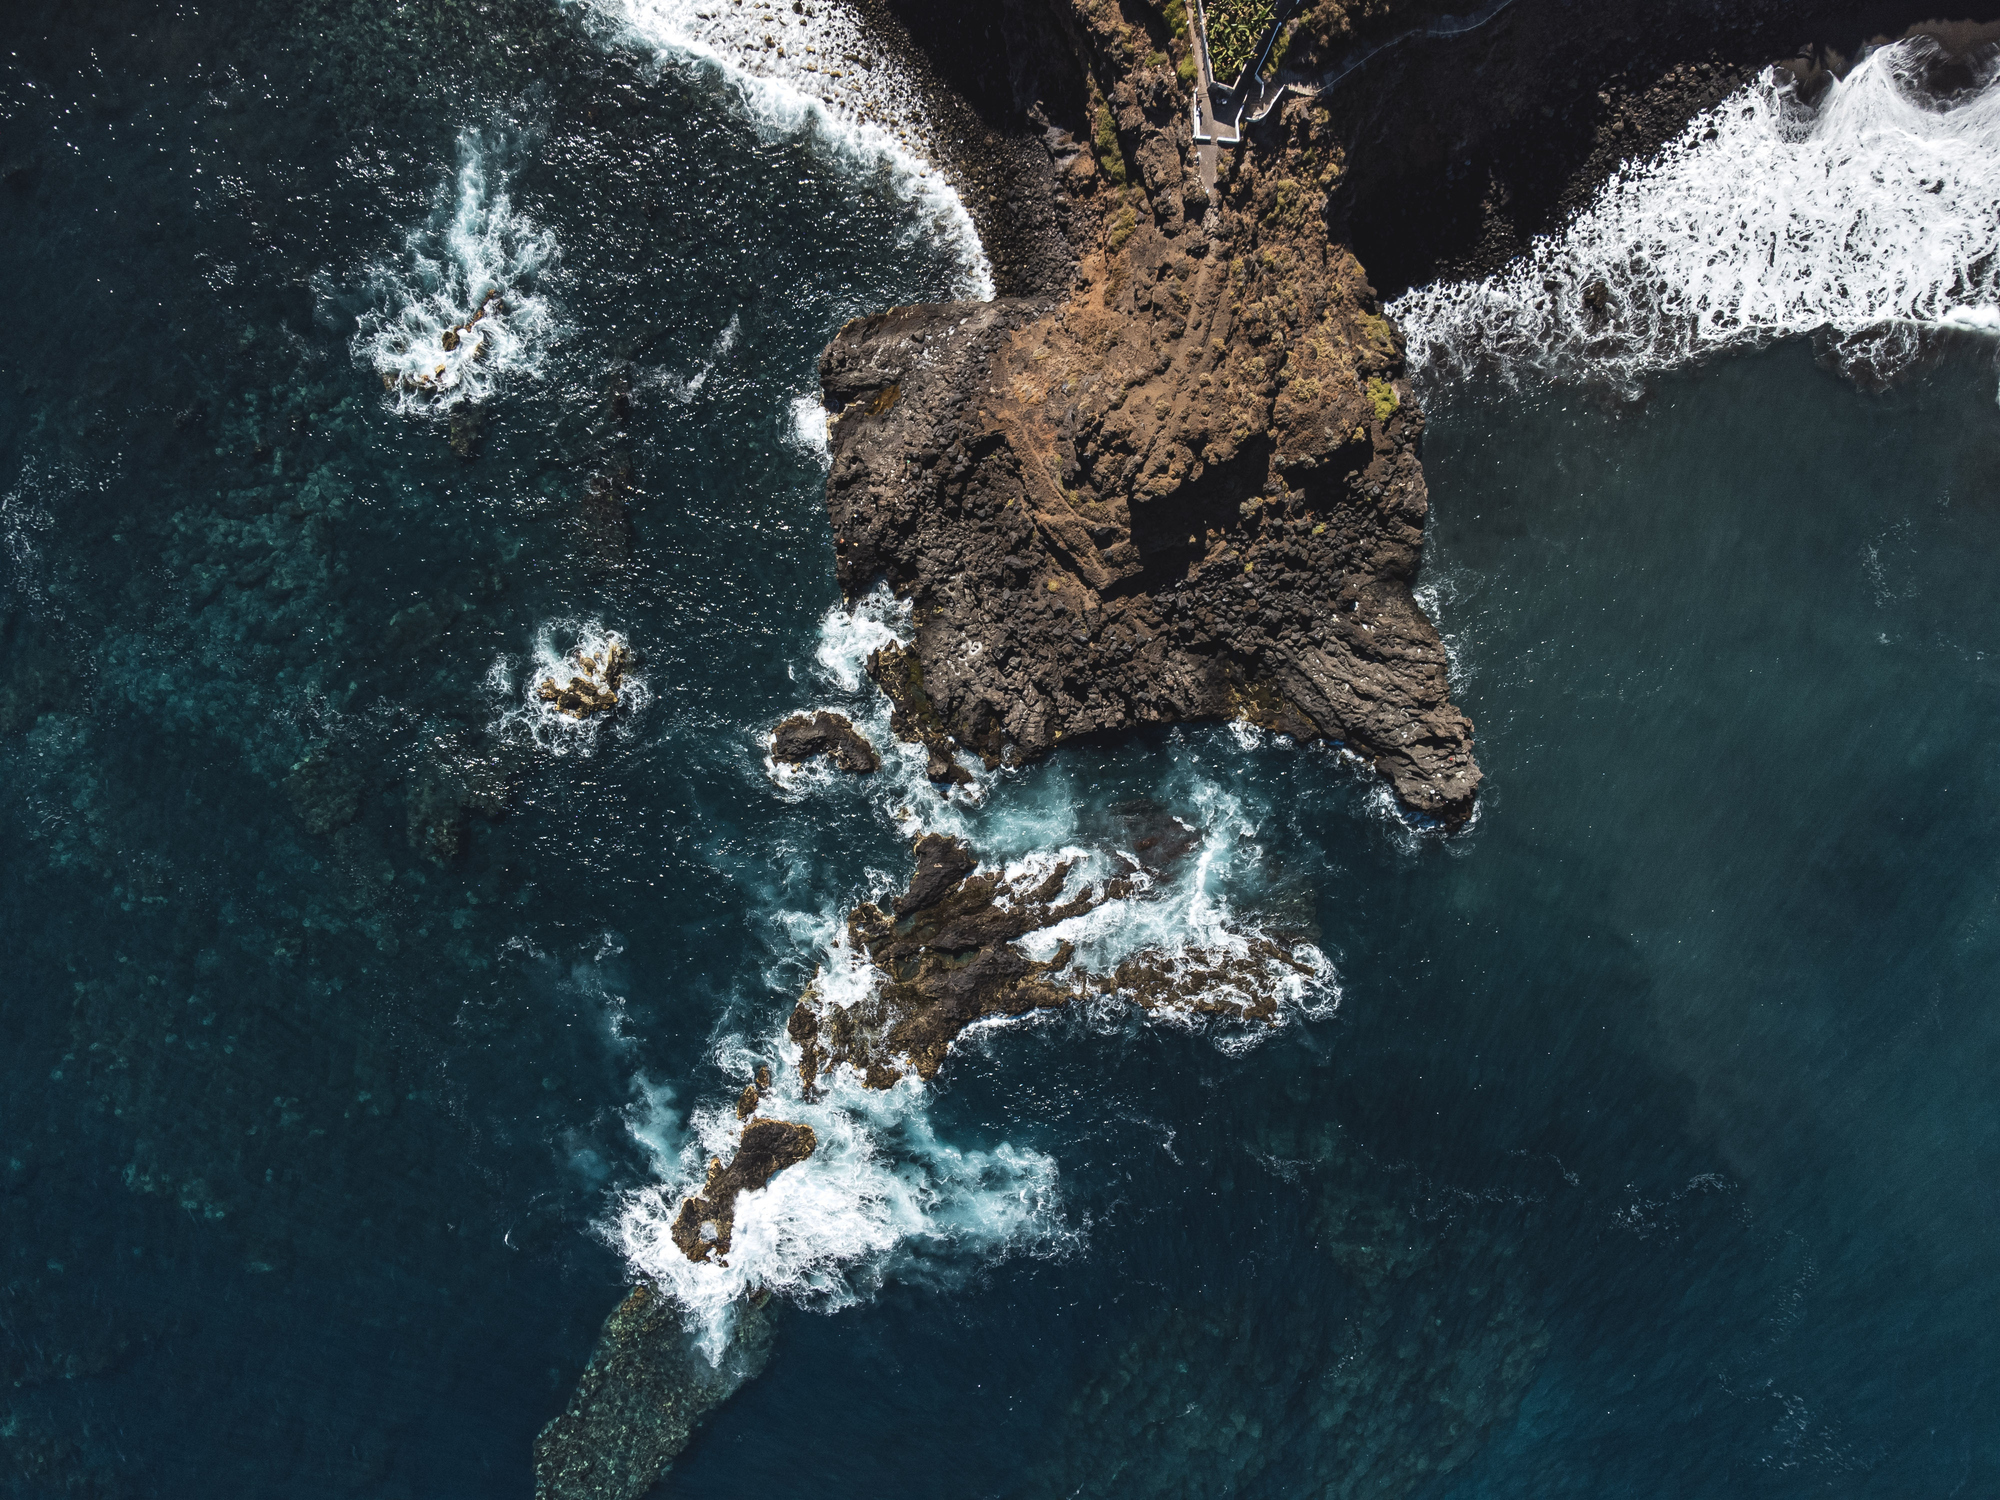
x=1171 y=473
x=1175 y=478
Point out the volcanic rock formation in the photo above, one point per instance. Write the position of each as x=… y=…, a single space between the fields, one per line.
x=803 y=736
x=1185 y=488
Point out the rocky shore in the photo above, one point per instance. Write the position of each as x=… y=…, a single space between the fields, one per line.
x=1181 y=484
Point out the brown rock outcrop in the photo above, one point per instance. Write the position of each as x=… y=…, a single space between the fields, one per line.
x=1188 y=489
x=948 y=959
x=593 y=683
x=948 y=954
x=706 y=1221
x=804 y=736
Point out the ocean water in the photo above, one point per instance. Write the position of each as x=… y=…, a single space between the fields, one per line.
x=363 y=1020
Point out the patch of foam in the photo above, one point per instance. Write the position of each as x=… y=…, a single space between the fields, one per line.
x=522 y=714
x=1191 y=922
x=815 y=70
x=1873 y=215
x=806 y=429
x=474 y=243
x=880 y=1196
x=905 y=794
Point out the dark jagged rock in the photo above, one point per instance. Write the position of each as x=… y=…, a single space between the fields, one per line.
x=1185 y=488
x=948 y=959
x=706 y=1221
x=948 y=956
x=753 y=1094
x=640 y=1398
x=804 y=736
x=899 y=673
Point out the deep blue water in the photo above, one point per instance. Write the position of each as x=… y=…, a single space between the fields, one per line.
x=1651 y=1147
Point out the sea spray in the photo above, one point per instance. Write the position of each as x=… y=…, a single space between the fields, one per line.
x=458 y=311
x=1872 y=216
x=1185 y=930
x=881 y=1195
x=797 y=72
x=1191 y=855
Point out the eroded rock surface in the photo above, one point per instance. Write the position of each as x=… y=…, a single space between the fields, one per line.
x=948 y=954
x=1187 y=489
x=948 y=959
x=804 y=736
x=706 y=1222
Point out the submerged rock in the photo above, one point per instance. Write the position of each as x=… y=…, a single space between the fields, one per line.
x=639 y=1399
x=325 y=790
x=706 y=1221
x=467 y=419
x=804 y=736
x=593 y=682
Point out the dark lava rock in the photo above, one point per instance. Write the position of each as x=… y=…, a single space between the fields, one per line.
x=703 y=1226
x=804 y=736
x=948 y=959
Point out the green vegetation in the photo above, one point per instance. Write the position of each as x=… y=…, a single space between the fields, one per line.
x=1280 y=48
x=1110 y=155
x=1384 y=397
x=1122 y=224
x=1235 y=31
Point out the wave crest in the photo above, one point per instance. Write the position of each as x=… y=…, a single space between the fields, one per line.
x=458 y=311
x=1872 y=216
x=818 y=71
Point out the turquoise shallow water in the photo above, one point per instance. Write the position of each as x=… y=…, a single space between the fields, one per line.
x=1643 y=1142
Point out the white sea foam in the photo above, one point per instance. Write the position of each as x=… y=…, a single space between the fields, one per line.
x=880 y=1196
x=1872 y=216
x=806 y=430
x=1188 y=919
x=522 y=713
x=474 y=243
x=814 y=69
x=906 y=795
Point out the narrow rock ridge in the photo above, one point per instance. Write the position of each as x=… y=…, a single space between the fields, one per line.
x=948 y=956
x=1184 y=488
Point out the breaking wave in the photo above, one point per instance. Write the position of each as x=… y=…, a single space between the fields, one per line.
x=1871 y=216
x=1200 y=912
x=880 y=1196
x=458 y=311
x=797 y=70
x=1190 y=927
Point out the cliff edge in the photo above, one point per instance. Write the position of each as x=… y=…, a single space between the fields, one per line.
x=1180 y=484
